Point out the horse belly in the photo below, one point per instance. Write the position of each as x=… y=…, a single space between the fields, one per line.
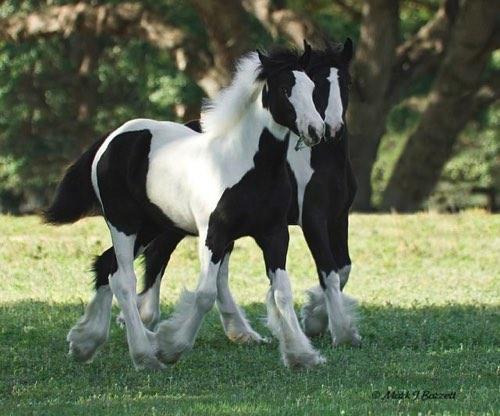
x=173 y=202
x=179 y=183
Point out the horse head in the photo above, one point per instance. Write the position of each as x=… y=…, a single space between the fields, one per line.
x=329 y=69
x=288 y=94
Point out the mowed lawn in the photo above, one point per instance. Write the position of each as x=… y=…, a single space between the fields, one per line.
x=429 y=293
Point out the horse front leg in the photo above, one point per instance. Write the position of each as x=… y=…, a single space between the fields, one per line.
x=338 y=230
x=296 y=350
x=176 y=336
x=327 y=306
x=235 y=325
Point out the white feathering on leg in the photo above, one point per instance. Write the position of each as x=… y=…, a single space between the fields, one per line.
x=314 y=314
x=296 y=350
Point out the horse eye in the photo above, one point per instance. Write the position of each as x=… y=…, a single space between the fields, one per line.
x=285 y=90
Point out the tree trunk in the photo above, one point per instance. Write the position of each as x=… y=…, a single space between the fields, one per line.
x=371 y=73
x=451 y=102
x=86 y=88
x=229 y=31
x=284 y=22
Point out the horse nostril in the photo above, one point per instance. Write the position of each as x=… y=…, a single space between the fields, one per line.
x=328 y=132
x=314 y=135
x=340 y=132
x=335 y=134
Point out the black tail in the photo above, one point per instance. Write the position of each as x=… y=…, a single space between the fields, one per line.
x=75 y=197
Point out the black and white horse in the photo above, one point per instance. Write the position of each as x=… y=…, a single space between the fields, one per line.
x=323 y=188
x=230 y=181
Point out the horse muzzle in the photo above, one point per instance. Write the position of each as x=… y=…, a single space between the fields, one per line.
x=336 y=134
x=313 y=136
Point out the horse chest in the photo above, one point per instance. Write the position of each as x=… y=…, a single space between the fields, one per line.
x=327 y=190
x=260 y=198
x=300 y=166
x=253 y=205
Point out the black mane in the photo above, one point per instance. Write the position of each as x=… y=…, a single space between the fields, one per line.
x=279 y=59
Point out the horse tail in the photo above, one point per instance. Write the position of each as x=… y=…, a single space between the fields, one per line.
x=75 y=196
x=103 y=266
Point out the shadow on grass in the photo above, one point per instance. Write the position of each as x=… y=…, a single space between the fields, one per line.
x=445 y=348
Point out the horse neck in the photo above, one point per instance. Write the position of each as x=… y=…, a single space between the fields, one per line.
x=246 y=133
x=333 y=154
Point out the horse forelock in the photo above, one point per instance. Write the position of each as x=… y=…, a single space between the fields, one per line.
x=280 y=59
x=329 y=57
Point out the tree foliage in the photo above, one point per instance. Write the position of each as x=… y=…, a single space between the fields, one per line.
x=72 y=70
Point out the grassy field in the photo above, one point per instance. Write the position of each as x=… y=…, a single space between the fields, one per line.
x=428 y=287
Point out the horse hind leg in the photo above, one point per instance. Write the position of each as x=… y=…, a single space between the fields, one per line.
x=141 y=342
x=156 y=257
x=148 y=304
x=91 y=331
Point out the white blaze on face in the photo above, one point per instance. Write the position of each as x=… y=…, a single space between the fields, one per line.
x=302 y=100
x=334 y=109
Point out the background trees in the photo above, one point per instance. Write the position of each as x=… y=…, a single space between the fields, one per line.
x=423 y=115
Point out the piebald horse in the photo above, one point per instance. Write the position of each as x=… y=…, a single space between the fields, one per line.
x=150 y=177
x=323 y=188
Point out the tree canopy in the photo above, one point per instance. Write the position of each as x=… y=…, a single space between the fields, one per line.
x=423 y=114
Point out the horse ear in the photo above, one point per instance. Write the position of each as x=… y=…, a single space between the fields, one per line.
x=306 y=56
x=264 y=60
x=347 y=50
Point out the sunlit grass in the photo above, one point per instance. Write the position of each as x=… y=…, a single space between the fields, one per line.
x=430 y=297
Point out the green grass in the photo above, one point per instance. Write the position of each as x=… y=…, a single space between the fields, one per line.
x=429 y=291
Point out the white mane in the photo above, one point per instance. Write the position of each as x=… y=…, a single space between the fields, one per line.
x=220 y=114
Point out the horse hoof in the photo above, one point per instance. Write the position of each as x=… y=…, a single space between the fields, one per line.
x=356 y=340
x=168 y=357
x=169 y=345
x=300 y=361
x=352 y=338
x=314 y=326
x=147 y=362
x=250 y=337
x=81 y=353
x=83 y=345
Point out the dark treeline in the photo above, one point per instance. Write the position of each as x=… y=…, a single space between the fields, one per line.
x=423 y=118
